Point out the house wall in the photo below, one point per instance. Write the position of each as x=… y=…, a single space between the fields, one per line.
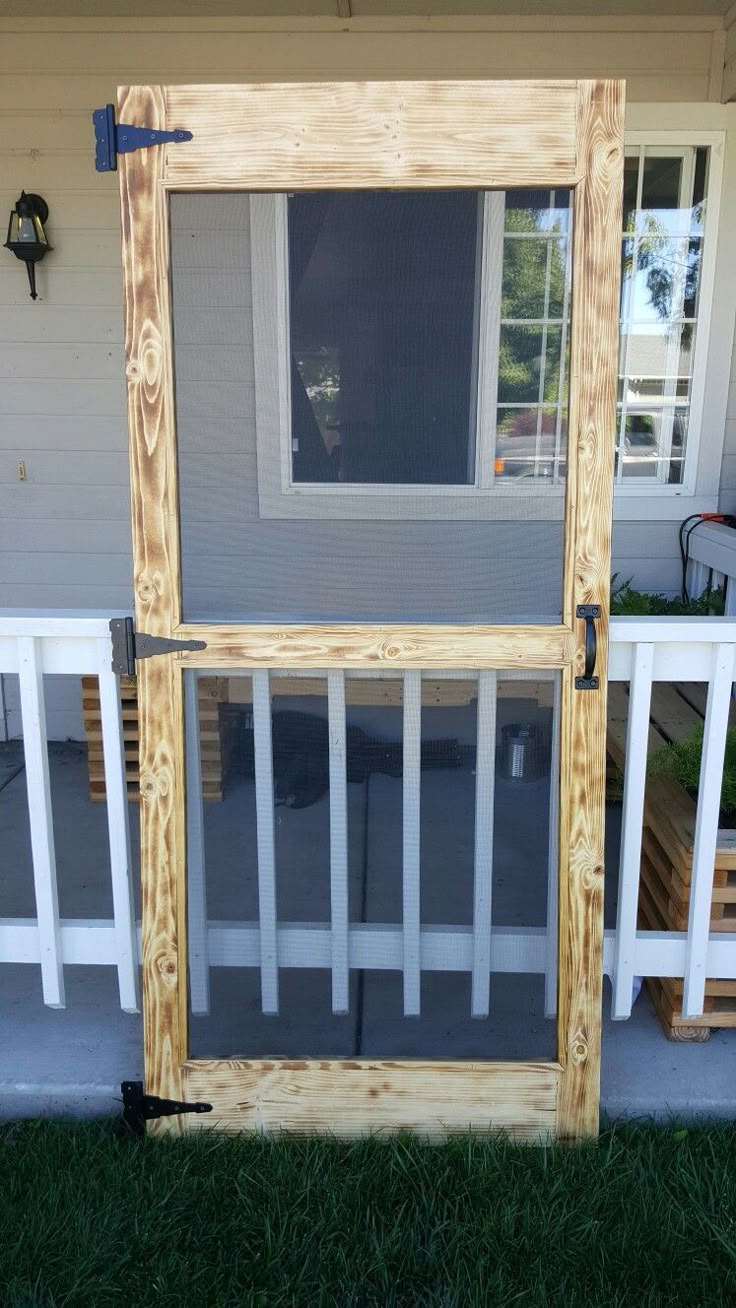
x=64 y=530
x=728 y=87
x=727 y=497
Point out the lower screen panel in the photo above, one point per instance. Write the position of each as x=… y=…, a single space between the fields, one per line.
x=372 y=864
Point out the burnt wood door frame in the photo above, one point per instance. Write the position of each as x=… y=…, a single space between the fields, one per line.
x=409 y=135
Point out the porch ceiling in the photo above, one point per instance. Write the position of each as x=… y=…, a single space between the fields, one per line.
x=376 y=9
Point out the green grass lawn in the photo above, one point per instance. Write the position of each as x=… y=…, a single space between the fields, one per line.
x=94 y=1217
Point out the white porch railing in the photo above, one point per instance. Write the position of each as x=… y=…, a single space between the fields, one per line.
x=35 y=647
x=642 y=651
x=711 y=553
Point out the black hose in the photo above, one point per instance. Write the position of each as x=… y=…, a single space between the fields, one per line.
x=694 y=518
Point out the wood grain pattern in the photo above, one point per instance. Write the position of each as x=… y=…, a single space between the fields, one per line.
x=373 y=134
x=148 y=351
x=593 y=373
x=268 y=136
x=367 y=645
x=209 y=738
x=356 y=1097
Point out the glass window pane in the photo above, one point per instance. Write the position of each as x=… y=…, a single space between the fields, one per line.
x=519 y=364
x=661 y=274
x=692 y=278
x=667 y=199
x=553 y=359
x=529 y=442
x=659 y=277
x=524 y=278
x=654 y=443
x=558 y=278
x=661 y=182
x=382 y=304
x=657 y=361
x=533 y=278
x=537 y=211
x=631 y=180
x=699 y=188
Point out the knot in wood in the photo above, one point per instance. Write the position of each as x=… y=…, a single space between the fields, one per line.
x=152 y=786
x=147 y=786
x=151 y=363
x=166 y=964
x=592 y=877
x=579 y=1049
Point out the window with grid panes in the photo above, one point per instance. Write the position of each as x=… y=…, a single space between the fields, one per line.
x=662 y=251
x=424 y=344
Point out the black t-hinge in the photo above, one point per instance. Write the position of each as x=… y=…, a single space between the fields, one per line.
x=112 y=139
x=139 y=1108
x=129 y=645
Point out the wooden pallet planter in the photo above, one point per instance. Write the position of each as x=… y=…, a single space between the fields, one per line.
x=366 y=691
x=211 y=691
x=667 y=855
x=219 y=697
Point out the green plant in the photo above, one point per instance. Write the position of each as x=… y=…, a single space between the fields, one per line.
x=642 y=1218
x=625 y=600
x=680 y=760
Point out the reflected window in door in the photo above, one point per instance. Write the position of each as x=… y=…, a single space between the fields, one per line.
x=422 y=342
x=478 y=535
x=381 y=316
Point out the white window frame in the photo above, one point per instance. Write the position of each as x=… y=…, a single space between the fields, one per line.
x=280 y=497
x=634 y=499
x=686 y=155
x=671 y=142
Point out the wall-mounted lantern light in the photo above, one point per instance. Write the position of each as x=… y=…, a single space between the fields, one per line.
x=26 y=236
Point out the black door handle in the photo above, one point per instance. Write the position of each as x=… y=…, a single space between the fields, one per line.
x=589 y=612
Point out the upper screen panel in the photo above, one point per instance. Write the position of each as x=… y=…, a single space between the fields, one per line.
x=371 y=394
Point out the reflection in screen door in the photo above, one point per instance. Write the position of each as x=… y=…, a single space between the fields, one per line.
x=397 y=303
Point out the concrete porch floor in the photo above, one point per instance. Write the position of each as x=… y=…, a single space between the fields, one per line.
x=71 y=1061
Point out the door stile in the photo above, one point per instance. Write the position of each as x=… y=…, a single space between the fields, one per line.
x=593 y=373
x=154 y=508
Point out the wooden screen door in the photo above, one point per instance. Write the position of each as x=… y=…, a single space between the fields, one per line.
x=371 y=351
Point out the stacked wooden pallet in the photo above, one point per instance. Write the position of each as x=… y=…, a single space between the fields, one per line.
x=667 y=855
x=444 y=692
x=211 y=691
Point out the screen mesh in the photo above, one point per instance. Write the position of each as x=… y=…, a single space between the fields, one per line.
x=373 y=869
x=371 y=403
x=381 y=301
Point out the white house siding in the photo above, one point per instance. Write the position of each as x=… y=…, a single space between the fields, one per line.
x=727 y=501
x=728 y=86
x=64 y=530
